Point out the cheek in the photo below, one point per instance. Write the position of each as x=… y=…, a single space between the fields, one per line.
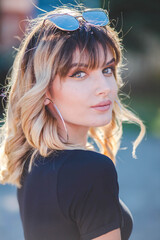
x=70 y=97
x=114 y=87
x=70 y=94
x=75 y=90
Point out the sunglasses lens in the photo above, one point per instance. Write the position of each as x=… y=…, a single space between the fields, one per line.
x=65 y=22
x=96 y=17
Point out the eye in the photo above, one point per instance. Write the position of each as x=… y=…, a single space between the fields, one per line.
x=108 y=70
x=79 y=74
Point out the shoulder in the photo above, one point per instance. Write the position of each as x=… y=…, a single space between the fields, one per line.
x=87 y=180
x=86 y=165
x=87 y=158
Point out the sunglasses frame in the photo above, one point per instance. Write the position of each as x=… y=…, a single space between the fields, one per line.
x=49 y=17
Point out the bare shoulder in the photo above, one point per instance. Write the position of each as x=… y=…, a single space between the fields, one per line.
x=113 y=235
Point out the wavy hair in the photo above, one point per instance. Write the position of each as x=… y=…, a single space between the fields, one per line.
x=28 y=128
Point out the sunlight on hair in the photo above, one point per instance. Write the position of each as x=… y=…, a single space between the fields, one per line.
x=45 y=51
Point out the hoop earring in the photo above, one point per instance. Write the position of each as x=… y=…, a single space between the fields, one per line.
x=60 y=117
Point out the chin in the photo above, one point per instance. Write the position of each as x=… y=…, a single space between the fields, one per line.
x=102 y=123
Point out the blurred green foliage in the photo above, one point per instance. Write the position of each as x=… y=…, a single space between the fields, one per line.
x=147 y=108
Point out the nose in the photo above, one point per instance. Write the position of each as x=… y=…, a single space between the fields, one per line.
x=103 y=84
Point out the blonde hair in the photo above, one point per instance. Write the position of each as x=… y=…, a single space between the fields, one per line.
x=28 y=128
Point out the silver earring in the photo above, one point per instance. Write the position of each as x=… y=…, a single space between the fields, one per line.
x=60 y=117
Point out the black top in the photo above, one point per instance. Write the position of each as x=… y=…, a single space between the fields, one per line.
x=72 y=195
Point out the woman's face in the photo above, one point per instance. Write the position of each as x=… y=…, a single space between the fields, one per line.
x=83 y=88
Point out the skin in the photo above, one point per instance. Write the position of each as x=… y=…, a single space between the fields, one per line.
x=74 y=96
x=113 y=235
x=77 y=92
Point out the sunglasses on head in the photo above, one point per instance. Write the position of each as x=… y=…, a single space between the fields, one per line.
x=66 y=22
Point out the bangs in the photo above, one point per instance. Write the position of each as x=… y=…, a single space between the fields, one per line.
x=88 y=41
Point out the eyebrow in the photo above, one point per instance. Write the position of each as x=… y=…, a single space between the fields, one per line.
x=112 y=60
x=85 y=65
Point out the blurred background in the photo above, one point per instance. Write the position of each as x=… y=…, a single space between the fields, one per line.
x=138 y=23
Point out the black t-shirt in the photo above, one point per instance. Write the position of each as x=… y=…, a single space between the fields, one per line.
x=72 y=195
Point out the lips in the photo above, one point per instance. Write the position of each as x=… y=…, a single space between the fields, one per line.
x=101 y=104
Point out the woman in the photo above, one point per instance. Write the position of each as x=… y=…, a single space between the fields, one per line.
x=64 y=90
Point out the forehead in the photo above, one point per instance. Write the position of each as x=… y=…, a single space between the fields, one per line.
x=84 y=56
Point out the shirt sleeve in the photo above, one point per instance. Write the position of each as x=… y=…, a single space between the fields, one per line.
x=94 y=202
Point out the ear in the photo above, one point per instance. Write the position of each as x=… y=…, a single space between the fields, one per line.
x=47 y=97
x=46 y=101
